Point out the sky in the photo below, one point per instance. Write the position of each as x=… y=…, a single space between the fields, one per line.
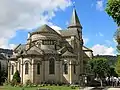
x=18 y=17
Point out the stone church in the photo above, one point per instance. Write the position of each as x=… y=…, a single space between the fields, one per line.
x=51 y=56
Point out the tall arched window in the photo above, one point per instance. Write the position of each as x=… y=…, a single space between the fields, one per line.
x=19 y=66
x=26 y=68
x=12 y=69
x=65 y=68
x=51 y=66
x=74 y=69
x=38 y=68
x=0 y=66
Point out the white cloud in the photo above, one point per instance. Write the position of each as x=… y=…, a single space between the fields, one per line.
x=99 y=5
x=85 y=40
x=102 y=50
x=99 y=34
x=26 y=14
x=56 y=28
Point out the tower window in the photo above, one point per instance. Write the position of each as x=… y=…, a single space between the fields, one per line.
x=26 y=68
x=51 y=66
x=48 y=42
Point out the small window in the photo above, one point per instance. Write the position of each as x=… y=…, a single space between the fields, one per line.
x=48 y=42
x=12 y=69
x=26 y=68
x=38 y=68
x=65 y=68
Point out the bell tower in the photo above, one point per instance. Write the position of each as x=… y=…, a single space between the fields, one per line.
x=75 y=26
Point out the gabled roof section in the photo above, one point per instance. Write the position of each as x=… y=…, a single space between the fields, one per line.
x=20 y=47
x=74 y=20
x=68 y=53
x=45 y=29
x=86 y=49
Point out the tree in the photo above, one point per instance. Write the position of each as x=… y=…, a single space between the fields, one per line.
x=117 y=67
x=16 y=76
x=113 y=10
x=99 y=67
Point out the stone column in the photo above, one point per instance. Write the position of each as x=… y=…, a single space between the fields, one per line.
x=8 y=72
x=32 y=71
x=70 y=72
x=22 y=70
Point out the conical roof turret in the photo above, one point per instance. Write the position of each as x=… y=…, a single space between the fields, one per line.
x=74 y=20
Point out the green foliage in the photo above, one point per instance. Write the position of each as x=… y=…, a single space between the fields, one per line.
x=3 y=76
x=99 y=66
x=16 y=76
x=28 y=83
x=113 y=10
x=117 y=67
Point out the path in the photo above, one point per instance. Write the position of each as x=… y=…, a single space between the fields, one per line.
x=93 y=88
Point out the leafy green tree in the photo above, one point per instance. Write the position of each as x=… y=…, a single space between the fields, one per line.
x=16 y=76
x=113 y=10
x=117 y=67
x=3 y=76
x=99 y=67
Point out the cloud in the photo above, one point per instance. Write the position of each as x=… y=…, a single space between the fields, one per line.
x=99 y=34
x=103 y=50
x=56 y=28
x=100 y=5
x=85 y=40
x=26 y=14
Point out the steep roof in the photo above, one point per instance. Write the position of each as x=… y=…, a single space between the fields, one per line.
x=74 y=20
x=68 y=32
x=45 y=29
x=68 y=53
x=86 y=49
x=2 y=57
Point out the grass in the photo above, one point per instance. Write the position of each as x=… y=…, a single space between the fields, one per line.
x=35 y=88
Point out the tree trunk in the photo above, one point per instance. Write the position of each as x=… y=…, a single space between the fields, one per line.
x=101 y=83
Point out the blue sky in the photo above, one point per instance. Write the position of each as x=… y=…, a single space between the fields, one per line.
x=98 y=27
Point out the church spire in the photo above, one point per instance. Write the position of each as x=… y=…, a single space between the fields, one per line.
x=74 y=20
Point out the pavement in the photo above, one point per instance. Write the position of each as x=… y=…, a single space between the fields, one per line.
x=98 y=88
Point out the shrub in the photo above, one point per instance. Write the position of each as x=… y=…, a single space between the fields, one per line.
x=28 y=83
x=13 y=82
x=16 y=76
x=73 y=87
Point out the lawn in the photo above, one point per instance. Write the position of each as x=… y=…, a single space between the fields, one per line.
x=35 y=88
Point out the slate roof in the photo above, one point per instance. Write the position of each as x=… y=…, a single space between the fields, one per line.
x=33 y=52
x=2 y=57
x=68 y=53
x=45 y=29
x=74 y=20
x=86 y=49
x=68 y=32
x=20 y=47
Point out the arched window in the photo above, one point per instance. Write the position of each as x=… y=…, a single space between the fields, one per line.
x=12 y=69
x=74 y=67
x=19 y=66
x=65 y=68
x=38 y=68
x=0 y=66
x=26 y=68
x=51 y=66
